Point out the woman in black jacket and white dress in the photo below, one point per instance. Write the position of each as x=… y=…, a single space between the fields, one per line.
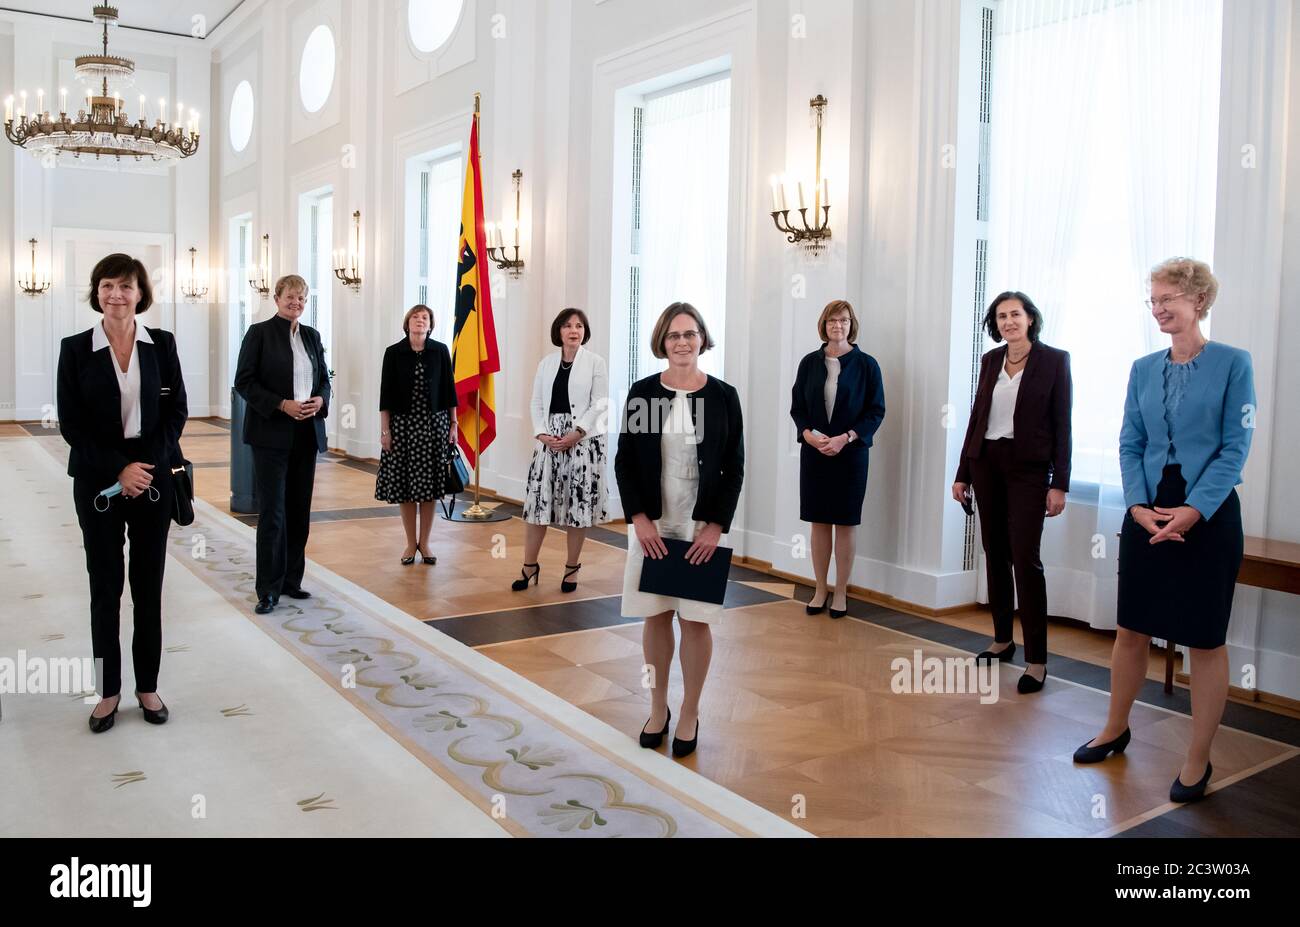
x=680 y=466
x=566 y=478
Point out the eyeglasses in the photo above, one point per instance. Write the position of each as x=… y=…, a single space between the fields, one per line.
x=1163 y=302
x=830 y=322
x=674 y=337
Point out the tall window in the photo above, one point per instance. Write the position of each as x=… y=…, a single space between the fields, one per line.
x=1103 y=161
x=240 y=249
x=678 y=244
x=434 y=188
x=315 y=248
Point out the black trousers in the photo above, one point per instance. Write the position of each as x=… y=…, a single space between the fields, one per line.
x=285 y=479
x=1012 y=499
x=146 y=524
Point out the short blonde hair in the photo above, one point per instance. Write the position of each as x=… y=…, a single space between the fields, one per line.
x=290 y=282
x=832 y=307
x=660 y=334
x=418 y=307
x=1191 y=276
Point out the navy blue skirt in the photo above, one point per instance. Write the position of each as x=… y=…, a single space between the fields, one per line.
x=831 y=489
x=1181 y=591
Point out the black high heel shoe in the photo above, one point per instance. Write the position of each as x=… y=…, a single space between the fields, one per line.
x=1002 y=656
x=1185 y=793
x=565 y=585
x=1086 y=754
x=652 y=741
x=686 y=747
x=817 y=609
x=100 y=725
x=520 y=585
x=430 y=560
x=407 y=561
x=837 y=612
x=154 y=717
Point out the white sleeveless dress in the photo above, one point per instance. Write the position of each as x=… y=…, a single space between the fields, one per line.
x=679 y=483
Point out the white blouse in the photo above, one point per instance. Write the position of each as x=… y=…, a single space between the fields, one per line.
x=302 y=372
x=832 y=384
x=1002 y=412
x=128 y=381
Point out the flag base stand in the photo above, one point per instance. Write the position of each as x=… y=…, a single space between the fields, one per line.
x=476 y=513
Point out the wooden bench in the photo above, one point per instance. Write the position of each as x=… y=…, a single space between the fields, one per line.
x=1266 y=564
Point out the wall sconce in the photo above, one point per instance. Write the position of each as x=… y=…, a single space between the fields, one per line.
x=347 y=267
x=192 y=288
x=812 y=238
x=261 y=279
x=32 y=284
x=497 y=246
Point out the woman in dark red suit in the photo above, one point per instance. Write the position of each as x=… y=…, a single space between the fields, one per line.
x=1017 y=455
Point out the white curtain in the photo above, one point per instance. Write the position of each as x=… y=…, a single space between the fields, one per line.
x=1103 y=159
x=446 y=193
x=685 y=155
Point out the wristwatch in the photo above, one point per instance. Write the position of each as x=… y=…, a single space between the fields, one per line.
x=581 y=431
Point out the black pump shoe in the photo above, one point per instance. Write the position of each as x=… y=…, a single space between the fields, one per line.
x=1002 y=656
x=1185 y=793
x=818 y=609
x=838 y=612
x=100 y=725
x=654 y=740
x=686 y=747
x=154 y=717
x=565 y=585
x=1028 y=684
x=520 y=585
x=428 y=558
x=1086 y=754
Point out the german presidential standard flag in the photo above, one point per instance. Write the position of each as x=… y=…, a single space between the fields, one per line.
x=474 y=342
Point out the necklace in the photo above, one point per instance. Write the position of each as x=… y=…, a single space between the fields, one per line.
x=1193 y=357
x=564 y=366
x=1017 y=360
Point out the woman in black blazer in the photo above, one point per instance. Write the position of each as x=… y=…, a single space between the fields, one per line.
x=679 y=466
x=283 y=377
x=417 y=401
x=837 y=403
x=1017 y=454
x=122 y=408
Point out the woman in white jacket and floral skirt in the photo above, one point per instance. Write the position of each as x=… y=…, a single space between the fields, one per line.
x=566 y=479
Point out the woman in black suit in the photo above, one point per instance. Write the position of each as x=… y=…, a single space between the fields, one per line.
x=283 y=377
x=1017 y=454
x=122 y=408
x=417 y=404
x=680 y=465
x=837 y=403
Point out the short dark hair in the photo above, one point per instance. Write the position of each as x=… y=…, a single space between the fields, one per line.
x=418 y=307
x=121 y=265
x=564 y=317
x=659 y=336
x=1035 y=316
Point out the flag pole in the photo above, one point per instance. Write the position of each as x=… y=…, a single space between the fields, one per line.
x=476 y=510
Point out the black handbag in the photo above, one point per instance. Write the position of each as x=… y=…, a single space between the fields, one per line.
x=183 y=493
x=455 y=482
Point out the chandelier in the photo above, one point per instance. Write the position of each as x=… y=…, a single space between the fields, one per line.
x=813 y=238
x=102 y=128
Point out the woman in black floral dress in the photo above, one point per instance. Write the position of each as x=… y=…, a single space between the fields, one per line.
x=416 y=402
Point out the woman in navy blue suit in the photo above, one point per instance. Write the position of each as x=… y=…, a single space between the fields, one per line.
x=837 y=403
x=1188 y=421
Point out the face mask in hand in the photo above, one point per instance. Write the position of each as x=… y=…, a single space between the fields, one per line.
x=114 y=490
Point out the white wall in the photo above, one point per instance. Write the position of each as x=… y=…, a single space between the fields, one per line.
x=85 y=203
x=893 y=71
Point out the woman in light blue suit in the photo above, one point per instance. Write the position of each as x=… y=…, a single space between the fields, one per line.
x=1188 y=421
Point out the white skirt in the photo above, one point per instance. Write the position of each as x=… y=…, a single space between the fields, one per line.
x=678 y=501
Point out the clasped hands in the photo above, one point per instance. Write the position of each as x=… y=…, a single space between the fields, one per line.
x=301 y=410
x=1165 y=524
x=652 y=545
x=553 y=443
x=828 y=446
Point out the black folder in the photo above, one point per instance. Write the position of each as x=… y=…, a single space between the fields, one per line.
x=674 y=575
